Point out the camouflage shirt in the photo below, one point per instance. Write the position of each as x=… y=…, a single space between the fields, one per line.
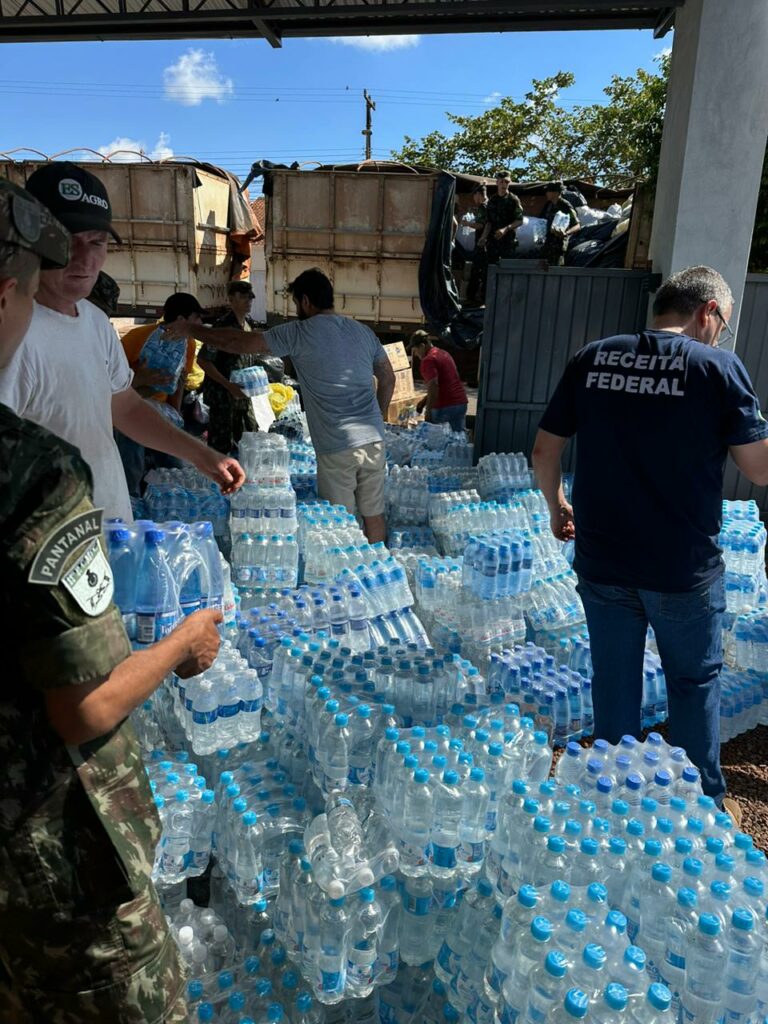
x=78 y=826
x=501 y=211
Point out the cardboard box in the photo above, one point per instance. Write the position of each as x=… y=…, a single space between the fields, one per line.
x=398 y=357
x=402 y=409
x=403 y=383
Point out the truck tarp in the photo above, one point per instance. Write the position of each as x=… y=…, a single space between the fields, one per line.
x=437 y=290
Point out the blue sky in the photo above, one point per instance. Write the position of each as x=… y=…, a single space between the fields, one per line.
x=231 y=102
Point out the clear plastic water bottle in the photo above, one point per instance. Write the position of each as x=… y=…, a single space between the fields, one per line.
x=655 y=1007
x=157 y=602
x=743 y=952
x=448 y=804
x=331 y=976
x=703 y=986
x=362 y=944
x=546 y=985
x=123 y=564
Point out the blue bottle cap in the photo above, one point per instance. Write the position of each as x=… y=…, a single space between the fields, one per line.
x=659 y=997
x=576 y=1003
x=661 y=873
x=555 y=964
x=615 y=996
x=541 y=929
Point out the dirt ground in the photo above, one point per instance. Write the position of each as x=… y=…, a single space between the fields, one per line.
x=745 y=763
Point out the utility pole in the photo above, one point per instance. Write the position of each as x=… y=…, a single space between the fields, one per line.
x=368 y=130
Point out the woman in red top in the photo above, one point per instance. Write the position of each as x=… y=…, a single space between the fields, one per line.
x=446 y=397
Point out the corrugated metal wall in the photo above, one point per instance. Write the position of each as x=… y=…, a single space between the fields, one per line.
x=536 y=318
x=752 y=348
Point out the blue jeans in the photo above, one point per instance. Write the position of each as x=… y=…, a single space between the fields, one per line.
x=689 y=631
x=453 y=415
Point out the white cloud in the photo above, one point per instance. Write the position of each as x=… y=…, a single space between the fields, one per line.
x=378 y=44
x=196 y=77
x=492 y=97
x=131 y=148
x=666 y=52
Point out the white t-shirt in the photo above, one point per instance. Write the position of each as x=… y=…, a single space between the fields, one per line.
x=63 y=377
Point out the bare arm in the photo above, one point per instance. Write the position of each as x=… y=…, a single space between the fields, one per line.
x=752 y=460
x=83 y=713
x=228 y=339
x=428 y=401
x=547 y=451
x=139 y=421
x=176 y=397
x=385 y=384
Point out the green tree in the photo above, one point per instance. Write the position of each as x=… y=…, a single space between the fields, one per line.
x=615 y=143
x=506 y=135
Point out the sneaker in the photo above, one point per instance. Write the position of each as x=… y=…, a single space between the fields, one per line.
x=731 y=807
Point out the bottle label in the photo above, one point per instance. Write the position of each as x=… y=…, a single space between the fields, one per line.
x=187 y=607
x=443 y=856
x=229 y=710
x=417 y=905
x=359 y=775
x=508 y=1015
x=358 y=625
x=262 y=671
x=360 y=966
x=675 y=960
x=250 y=706
x=153 y=627
x=339 y=628
x=652 y=971
x=412 y=854
x=204 y=717
x=331 y=981
x=497 y=979
x=490 y=820
x=243 y=574
x=447 y=959
x=471 y=853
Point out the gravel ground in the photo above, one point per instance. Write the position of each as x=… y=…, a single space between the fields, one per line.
x=745 y=763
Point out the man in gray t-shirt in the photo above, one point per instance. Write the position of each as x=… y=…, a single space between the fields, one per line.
x=335 y=359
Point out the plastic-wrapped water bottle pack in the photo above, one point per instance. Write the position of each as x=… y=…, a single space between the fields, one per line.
x=187 y=810
x=500 y=477
x=185 y=495
x=164 y=571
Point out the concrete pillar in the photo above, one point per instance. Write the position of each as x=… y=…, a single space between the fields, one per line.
x=714 y=139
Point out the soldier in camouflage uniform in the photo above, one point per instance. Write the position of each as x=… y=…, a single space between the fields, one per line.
x=82 y=936
x=505 y=215
x=230 y=413
x=479 y=272
x=554 y=249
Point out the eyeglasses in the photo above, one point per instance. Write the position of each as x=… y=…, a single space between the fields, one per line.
x=726 y=331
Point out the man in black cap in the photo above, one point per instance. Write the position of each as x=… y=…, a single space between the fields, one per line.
x=505 y=215
x=559 y=229
x=72 y=375
x=83 y=939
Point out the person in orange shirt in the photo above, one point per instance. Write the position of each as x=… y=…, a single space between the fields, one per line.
x=137 y=460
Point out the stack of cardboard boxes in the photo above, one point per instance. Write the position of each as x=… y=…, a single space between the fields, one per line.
x=403 y=404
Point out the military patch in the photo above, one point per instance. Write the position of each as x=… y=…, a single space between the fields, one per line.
x=90 y=580
x=62 y=542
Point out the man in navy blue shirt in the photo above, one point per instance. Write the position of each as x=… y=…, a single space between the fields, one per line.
x=655 y=415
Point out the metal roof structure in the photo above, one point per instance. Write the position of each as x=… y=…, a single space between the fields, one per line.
x=274 y=20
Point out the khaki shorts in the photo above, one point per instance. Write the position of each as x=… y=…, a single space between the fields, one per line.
x=354 y=478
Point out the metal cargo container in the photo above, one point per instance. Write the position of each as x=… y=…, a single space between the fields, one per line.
x=174 y=222
x=366 y=231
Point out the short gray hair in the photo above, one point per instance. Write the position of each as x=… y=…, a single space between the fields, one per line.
x=688 y=289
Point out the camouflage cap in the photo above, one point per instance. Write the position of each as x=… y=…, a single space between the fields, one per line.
x=27 y=224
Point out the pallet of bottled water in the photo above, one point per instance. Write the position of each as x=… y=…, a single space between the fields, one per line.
x=742 y=539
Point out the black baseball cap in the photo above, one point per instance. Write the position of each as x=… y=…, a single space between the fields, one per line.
x=25 y=223
x=75 y=196
x=180 y=304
